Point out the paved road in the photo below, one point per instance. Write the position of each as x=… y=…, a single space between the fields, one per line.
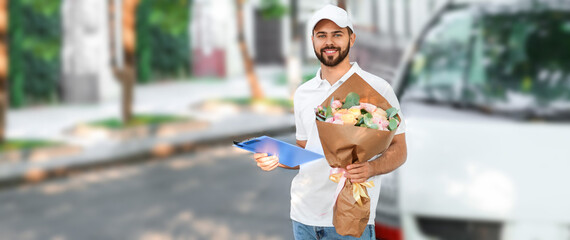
x=217 y=193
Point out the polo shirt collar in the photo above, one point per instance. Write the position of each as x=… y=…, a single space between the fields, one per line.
x=354 y=69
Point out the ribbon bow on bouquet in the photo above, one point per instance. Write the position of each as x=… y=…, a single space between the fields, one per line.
x=337 y=176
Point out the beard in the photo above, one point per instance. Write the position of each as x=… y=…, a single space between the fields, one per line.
x=331 y=61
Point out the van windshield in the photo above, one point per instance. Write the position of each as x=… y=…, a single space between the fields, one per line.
x=516 y=63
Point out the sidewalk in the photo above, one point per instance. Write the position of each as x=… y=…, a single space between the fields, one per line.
x=179 y=98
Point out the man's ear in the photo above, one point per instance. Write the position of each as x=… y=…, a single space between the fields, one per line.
x=352 y=39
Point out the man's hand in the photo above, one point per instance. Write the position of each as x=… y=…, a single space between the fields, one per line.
x=391 y=159
x=266 y=163
x=359 y=172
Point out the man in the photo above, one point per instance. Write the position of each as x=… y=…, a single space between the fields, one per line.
x=312 y=192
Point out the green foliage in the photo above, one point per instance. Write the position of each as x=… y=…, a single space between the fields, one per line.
x=163 y=44
x=393 y=124
x=46 y=8
x=366 y=121
x=352 y=99
x=20 y=144
x=34 y=35
x=524 y=50
x=328 y=112
x=143 y=46
x=170 y=16
x=138 y=120
x=391 y=112
x=271 y=9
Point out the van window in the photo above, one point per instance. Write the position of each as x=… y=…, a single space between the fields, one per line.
x=439 y=64
x=521 y=63
x=515 y=63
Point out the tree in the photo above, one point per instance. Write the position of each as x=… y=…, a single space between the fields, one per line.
x=255 y=88
x=125 y=71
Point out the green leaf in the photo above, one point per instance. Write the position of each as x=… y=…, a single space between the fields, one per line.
x=359 y=122
x=391 y=112
x=367 y=122
x=393 y=124
x=352 y=99
x=328 y=112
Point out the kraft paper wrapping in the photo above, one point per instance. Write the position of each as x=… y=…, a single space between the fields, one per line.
x=347 y=144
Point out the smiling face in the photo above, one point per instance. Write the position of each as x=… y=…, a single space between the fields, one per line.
x=331 y=43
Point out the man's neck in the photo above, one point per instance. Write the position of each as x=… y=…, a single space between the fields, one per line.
x=333 y=74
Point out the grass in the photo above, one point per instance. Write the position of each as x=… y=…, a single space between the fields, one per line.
x=138 y=120
x=20 y=144
x=245 y=101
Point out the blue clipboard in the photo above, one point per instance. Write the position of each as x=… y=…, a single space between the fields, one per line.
x=289 y=155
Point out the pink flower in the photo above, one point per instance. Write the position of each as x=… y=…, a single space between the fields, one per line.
x=337 y=116
x=368 y=107
x=336 y=104
x=329 y=120
x=319 y=108
x=377 y=120
x=356 y=107
x=384 y=123
x=338 y=122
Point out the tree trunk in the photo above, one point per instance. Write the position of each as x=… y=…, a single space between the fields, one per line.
x=255 y=88
x=3 y=68
x=129 y=71
x=126 y=72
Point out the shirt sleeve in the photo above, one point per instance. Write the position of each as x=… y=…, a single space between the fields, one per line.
x=300 y=133
x=393 y=100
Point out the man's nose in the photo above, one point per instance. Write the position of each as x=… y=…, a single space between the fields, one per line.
x=329 y=41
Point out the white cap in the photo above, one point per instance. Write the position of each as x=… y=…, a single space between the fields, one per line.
x=331 y=12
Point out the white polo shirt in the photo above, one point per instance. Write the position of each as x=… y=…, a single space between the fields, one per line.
x=311 y=190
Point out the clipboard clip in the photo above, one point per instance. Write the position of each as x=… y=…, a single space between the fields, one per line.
x=245 y=142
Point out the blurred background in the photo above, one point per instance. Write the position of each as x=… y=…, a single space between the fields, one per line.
x=117 y=116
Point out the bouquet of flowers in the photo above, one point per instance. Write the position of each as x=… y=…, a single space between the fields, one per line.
x=355 y=123
x=357 y=113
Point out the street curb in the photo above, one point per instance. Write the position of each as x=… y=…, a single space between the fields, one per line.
x=153 y=152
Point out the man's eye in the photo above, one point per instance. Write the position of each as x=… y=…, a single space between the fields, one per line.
x=338 y=35
x=320 y=36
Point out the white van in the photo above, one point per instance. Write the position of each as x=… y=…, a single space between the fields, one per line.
x=485 y=90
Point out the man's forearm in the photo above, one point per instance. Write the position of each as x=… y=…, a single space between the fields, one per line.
x=287 y=167
x=392 y=158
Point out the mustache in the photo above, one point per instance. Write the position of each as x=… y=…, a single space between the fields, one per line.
x=330 y=48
